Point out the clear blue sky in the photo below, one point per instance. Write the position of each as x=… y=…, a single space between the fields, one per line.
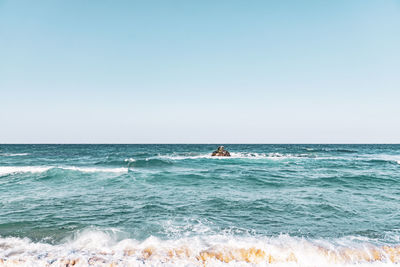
x=200 y=71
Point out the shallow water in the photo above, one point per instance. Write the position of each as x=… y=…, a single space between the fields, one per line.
x=297 y=205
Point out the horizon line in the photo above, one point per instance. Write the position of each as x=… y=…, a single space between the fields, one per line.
x=199 y=143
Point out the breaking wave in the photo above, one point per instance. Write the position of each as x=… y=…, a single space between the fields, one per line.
x=101 y=248
x=14 y=154
x=22 y=169
x=6 y=170
x=121 y=166
x=234 y=155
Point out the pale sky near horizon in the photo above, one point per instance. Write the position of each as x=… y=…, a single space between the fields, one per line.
x=223 y=71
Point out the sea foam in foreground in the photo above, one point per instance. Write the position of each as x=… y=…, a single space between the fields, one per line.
x=97 y=248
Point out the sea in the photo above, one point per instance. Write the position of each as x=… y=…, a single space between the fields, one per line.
x=175 y=205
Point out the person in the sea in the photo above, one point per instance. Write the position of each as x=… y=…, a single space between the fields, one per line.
x=221 y=152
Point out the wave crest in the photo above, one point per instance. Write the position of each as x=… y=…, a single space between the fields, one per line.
x=22 y=169
x=6 y=170
x=234 y=155
x=102 y=249
x=14 y=154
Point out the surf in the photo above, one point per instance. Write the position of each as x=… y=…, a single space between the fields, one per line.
x=9 y=170
x=102 y=249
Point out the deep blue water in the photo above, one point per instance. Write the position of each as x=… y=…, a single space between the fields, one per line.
x=55 y=194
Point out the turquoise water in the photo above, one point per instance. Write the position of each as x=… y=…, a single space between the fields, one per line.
x=116 y=201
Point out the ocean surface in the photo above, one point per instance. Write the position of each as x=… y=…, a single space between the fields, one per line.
x=168 y=205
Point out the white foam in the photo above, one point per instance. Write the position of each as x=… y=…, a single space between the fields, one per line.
x=234 y=155
x=130 y=160
x=5 y=170
x=103 y=248
x=14 y=154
